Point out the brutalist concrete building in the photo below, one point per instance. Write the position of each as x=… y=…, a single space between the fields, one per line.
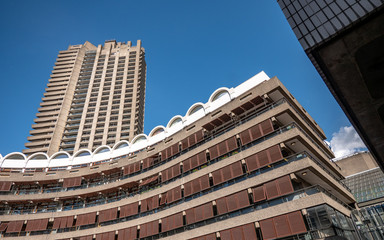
x=250 y=163
x=95 y=96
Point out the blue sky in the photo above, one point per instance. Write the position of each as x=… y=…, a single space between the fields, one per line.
x=192 y=48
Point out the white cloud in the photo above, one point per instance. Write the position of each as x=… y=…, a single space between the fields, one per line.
x=346 y=141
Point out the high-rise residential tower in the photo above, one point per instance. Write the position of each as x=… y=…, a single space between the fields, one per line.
x=95 y=96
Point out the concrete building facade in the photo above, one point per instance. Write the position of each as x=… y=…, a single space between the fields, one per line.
x=95 y=96
x=344 y=39
x=250 y=163
x=366 y=181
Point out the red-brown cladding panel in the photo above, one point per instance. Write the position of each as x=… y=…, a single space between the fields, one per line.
x=3 y=226
x=268 y=229
x=192 y=140
x=223 y=149
x=275 y=153
x=217 y=177
x=196 y=186
x=236 y=169
x=258 y=194
x=5 y=186
x=15 y=226
x=187 y=165
x=184 y=143
x=178 y=220
x=249 y=231
x=187 y=189
x=263 y=158
x=194 y=161
x=89 y=237
x=199 y=136
x=106 y=236
x=271 y=190
x=226 y=235
x=213 y=152
x=126 y=170
x=232 y=203
x=57 y=221
x=190 y=215
x=211 y=236
x=232 y=144
x=252 y=163
x=242 y=199
x=226 y=173
x=208 y=210
x=30 y=225
x=296 y=222
x=202 y=158
x=285 y=185
x=43 y=224
x=245 y=137
x=255 y=132
x=91 y=218
x=282 y=226
x=266 y=126
x=176 y=194
x=129 y=209
x=69 y=221
x=127 y=233
x=204 y=182
x=237 y=233
x=221 y=205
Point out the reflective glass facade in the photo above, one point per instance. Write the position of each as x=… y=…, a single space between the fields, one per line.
x=366 y=186
x=316 y=20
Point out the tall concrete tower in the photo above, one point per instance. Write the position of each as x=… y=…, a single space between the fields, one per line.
x=95 y=96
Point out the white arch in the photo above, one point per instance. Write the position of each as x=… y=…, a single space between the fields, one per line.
x=80 y=160
x=98 y=156
x=15 y=156
x=14 y=160
x=35 y=156
x=218 y=92
x=195 y=108
x=155 y=130
x=119 y=143
x=173 y=120
x=139 y=142
x=80 y=151
x=60 y=162
x=195 y=112
x=157 y=134
x=139 y=138
x=175 y=124
x=100 y=148
x=54 y=156
x=38 y=160
x=117 y=150
x=218 y=98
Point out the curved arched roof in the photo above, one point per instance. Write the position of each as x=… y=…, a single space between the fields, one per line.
x=194 y=108
x=175 y=120
x=60 y=155
x=218 y=93
x=102 y=149
x=15 y=156
x=172 y=127
x=38 y=156
x=157 y=130
x=82 y=153
x=121 y=144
